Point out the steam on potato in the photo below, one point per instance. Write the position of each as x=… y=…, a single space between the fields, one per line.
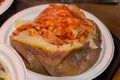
x=60 y=41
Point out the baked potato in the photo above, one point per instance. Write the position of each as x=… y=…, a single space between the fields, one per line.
x=60 y=41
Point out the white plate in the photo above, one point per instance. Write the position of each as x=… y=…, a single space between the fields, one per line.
x=5 y=5
x=105 y=56
x=12 y=62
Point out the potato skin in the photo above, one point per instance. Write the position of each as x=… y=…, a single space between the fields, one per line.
x=57 y=63
x=60 y=63
x=77 y=62
x=36 y=58
x=29 y=59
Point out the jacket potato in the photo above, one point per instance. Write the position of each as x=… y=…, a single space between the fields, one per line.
x=60 y=41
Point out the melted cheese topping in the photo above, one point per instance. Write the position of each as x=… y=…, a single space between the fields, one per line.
x=57 y=28
x=58 y=25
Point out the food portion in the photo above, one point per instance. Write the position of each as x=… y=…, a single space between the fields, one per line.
x=1 y=1
x=116 y=75
x=60 y=41
x=3 y=73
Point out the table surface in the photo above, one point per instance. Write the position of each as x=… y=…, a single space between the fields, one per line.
x=109 y=14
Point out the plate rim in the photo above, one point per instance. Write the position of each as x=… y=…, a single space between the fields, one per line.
x=5 y=5
x=13 y=57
